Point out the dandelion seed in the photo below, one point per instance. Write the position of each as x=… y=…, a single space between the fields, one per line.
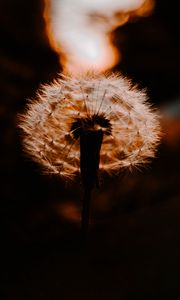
x=89 y=125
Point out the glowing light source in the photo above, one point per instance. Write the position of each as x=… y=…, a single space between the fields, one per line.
x=81 y=30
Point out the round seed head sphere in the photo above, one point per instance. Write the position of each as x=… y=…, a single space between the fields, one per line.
x=70 y=106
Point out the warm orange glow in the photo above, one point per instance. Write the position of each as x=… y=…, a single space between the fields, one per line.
x=81 y=30
x=146 y=9
x=68 y=211
x=92 y=52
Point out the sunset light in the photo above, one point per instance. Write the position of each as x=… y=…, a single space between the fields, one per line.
x=81 y=30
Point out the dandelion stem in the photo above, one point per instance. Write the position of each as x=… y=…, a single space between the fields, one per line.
x=85 y=213
x=90 y=145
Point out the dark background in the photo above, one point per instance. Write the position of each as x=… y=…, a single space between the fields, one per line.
x=133 y=249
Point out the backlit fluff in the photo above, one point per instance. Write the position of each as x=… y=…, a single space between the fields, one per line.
x=130 y=139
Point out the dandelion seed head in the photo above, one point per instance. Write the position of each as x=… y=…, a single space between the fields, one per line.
x=69 y=106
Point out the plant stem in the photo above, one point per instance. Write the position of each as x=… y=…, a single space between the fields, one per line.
x=85 y=213
x=90 y=145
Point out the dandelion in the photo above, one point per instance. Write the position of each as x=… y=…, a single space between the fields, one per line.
x=89 y=125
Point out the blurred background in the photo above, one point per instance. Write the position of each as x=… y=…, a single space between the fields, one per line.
x=133 y=248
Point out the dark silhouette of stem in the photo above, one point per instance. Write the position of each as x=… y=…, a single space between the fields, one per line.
x=85 y=213
x=90 y=145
